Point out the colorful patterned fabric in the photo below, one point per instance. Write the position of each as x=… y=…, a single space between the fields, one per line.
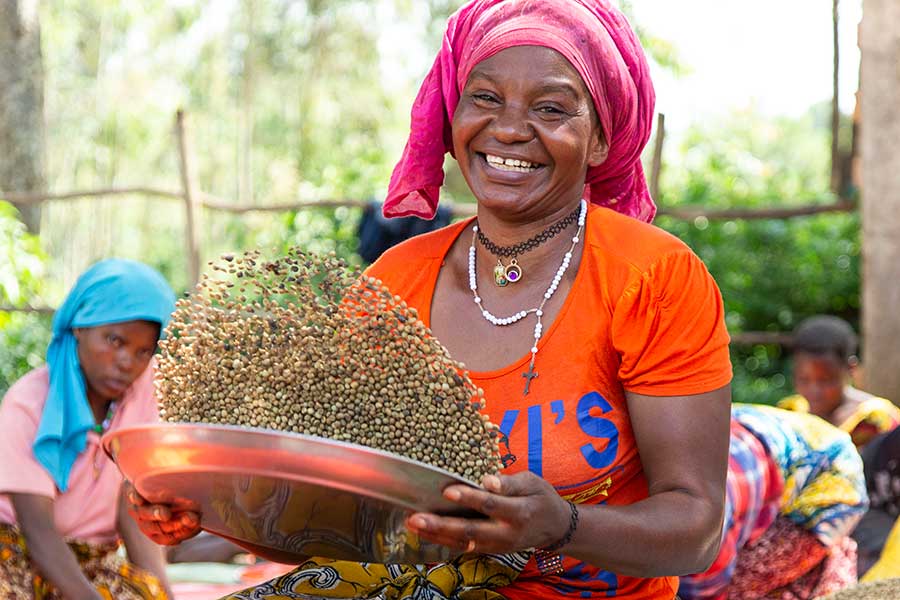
x=824 y=486
x=753 y=492
x=789 y=563
x=862 y=415
x=781 y=557
x=114 y=577
x=469 y=577
x=808 y=473
x=598 y=42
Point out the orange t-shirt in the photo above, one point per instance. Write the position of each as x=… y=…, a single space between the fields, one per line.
x=643 y=315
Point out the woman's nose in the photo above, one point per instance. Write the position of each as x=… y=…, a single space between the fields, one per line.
x=126 y=361
x=511 y=125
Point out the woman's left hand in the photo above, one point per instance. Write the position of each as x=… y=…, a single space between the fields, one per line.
x=523 y=510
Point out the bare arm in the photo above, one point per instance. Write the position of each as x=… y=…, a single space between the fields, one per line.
x=143 y=552
x=683 y=443
x=48 y=550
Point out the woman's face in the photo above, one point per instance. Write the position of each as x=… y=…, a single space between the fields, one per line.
x=524 y=132
x=821 y=380
x=113 y=356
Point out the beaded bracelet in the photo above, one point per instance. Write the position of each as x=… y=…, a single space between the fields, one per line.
x=573 y=524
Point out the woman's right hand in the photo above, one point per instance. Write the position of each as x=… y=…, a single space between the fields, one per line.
x=160 y=522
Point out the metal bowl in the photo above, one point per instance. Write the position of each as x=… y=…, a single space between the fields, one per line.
x=287 y=496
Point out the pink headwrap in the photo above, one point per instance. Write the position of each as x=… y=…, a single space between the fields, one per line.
x=594 y=37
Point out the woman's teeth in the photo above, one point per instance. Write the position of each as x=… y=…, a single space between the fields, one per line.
x=510 y=164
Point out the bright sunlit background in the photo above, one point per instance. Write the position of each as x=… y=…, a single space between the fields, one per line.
x=775 y=55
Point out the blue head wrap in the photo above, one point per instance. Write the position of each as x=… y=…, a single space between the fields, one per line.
x=111 y=291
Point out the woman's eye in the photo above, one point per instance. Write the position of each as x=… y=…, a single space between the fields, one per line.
x=484 y=98
x=550 y=110
x=114 y=340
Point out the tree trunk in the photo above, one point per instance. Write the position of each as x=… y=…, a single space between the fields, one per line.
x=21 y=104
x=880 y=152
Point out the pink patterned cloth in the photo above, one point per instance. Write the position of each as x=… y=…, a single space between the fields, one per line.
x=599 y=43
x=790 y=563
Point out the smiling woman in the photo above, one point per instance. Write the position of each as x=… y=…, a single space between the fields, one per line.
x=598 y=339
x=60 y=507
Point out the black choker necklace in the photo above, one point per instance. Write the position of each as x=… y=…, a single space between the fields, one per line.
x=512 y=272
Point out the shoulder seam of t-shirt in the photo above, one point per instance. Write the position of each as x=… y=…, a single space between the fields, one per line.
x=647 y=273
x=661 y=234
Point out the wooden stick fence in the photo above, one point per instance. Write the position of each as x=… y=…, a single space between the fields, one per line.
x=212 y=202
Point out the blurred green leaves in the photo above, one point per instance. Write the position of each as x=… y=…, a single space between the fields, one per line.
x=23 y=336
x=773 y=272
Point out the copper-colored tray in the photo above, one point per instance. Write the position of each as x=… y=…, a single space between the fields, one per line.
x=284 y=495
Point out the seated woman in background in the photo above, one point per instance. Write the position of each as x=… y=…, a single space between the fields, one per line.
x=794 y=493
x=61 y=511
x=824 y=350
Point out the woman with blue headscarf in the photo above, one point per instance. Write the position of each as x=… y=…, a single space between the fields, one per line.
x=61 y=510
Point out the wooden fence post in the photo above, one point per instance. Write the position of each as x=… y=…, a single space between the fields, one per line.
x=190 y=193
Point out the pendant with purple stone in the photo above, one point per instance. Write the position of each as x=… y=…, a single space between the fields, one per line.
x=513 y=271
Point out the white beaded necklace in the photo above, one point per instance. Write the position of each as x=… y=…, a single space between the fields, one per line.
x=539 y=311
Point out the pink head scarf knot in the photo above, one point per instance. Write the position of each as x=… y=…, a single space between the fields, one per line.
x=599 y=43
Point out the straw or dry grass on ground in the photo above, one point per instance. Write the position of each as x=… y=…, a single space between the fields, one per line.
x=887 y=589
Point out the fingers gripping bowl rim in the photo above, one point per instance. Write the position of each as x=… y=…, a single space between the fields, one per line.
x=285 y=494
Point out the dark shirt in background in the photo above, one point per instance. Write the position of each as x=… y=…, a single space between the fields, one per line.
x=377 y=233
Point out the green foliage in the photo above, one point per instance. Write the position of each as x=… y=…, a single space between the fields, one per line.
x=23 y=336
x=772 y=273
x=21 y=259
x=23 y=344
x=287 y=100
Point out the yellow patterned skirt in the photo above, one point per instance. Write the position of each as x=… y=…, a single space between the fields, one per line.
x=469 y=577
x=113 y=576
